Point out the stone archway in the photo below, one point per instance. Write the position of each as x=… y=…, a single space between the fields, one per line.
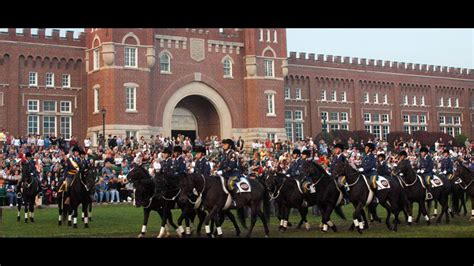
x=210 y=95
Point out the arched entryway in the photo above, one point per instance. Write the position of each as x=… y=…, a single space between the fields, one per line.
x=205 y=110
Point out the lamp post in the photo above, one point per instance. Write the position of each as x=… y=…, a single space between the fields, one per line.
x=324 y=129
x=103 y=112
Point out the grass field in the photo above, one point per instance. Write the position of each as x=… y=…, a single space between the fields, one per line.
x=125 y=221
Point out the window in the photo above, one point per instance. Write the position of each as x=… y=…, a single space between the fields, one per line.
x=289 y=130
x=96 y=100
x=65 y=107
x=33 y=79
x=334 y=116
x=413 y=101
x=288 y=115
x=386 y=131
x=366 y=97
x=334 y=127
x=274 y=36
x=367 y=128
x=271 y=136
x=298 y=94
x=405 y=99
x=66 y=81
x=449 y=102
x=49 y=106
x=422 y=100
x=456 y=102
x=165 y=63
x=324 y=127
x=227 y=68
x=343 y=96
x=441 y=101
x=413 y=119
x=376 y=131
x=457 y=131
x=1 y=99
x=449 y=131
x=261 y=35
x=298 y=115
x=268 y=36
x=49 y=79
x=65 y=127
x=298 y=131
x=376 y=117
x=268 y=68
x=413 y=128
x=131 y=57
x=345 y=127
x=323 y=95
x=385 y=98
x=422 y=119
x=406 y=129
x=449 y=120
x=33 y=106
x=270 y=104
x=33 y=125
x=441 y=119
x=96 y=59
x=366 y=117
x=405 y=119
x=287 y=93
x=49 y=126
x=344 y=116
x=324 y=116
x=423 y=128
x=130 y=133
x=333 y=96
x=384 y=118
x=376 y=98
x=130 y=99
x=457 y=120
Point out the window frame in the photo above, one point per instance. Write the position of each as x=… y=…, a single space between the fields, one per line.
x=127 y=63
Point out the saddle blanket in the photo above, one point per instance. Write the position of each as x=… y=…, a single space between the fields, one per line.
x=382 y=183
x=243 y=185
x=302 y=190
x=436 y=181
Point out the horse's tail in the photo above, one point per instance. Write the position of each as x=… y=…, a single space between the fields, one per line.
x=339 y=212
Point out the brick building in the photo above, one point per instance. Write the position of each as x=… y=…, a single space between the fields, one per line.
x=225 y=82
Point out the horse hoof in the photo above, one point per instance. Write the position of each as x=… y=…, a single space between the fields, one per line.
x=409 y=224
x=334 y=228
x=18 y=219
x=60 y=223
x=32 y=220
x=26 y=221
x=82 y=219
x=359 y=230
x=69 y=223
x=141 y=235
x=428 y=222
x=74 y=226
x=86 y=226
x=267 y=236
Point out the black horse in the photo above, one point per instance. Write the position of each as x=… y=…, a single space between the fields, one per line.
x=287 y=195
x=416 y=192
x=215 y=199
x=81 y=186
x=458 y=198
x=360 y=194
x=28 y=191
x=328 y=196
x=464 y=177
x=144 y=189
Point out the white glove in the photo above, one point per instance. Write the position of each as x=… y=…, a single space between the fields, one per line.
x=361 y=169
x=444 y=172
x=288 y=175
x=418 y=171
x=219 y=172
x=193 y=164
x=400 y=174
x=394 y=165
x=191 y=170
x=422 y=171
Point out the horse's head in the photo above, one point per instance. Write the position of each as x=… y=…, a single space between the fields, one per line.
x=340 y=168
x=270 y=181
x=404 y=169
x=137 y=174
x=187 y=186
x=462 y=174
x=89 y=176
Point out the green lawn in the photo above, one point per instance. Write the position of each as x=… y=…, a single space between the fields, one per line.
x=126 y=220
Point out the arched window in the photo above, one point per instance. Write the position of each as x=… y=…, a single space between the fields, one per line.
x=227 y=68
x=165 y=63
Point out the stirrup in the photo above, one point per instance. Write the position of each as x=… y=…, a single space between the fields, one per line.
x=429 y=196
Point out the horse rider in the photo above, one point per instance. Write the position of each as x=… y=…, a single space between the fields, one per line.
x=166 y=170
x=338 y=157
x=369 y=164
x=426 y=169
x=73 y=166
x=201 y=165
x=382 y=167
x=447 y=165
x=229 y=166
x=295 y=166
x=29 y=164
x=305 y=158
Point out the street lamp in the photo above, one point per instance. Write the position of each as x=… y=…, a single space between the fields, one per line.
x=103 y=112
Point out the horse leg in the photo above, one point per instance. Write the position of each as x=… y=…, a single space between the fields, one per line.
x=74 y=216
x=419 y=210
x=263 y=217
x=356 y=216
x=324 y=219
x=180 y=229
x=364 y=219
x=463 y=203
x=424 y=211
x=32 y=211
x=304 y=214
x=60 y=210
x=435 y=209
x=201 y=215
x=90 y=211
x=254 y=211
x=26 y=211
x=231 y=216
x=389 y=212
x=208 y=218
x=146 y=215
x=18 y=204
x=164 y=219
x=86 y=215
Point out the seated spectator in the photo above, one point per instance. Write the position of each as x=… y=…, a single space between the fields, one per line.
x=11 y=195
x=113 y=185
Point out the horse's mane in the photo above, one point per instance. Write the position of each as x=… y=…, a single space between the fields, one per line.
x=320 y=169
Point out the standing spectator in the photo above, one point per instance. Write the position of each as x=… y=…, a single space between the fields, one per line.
x=40 y=143
x=87 y=144
x=3 y=140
